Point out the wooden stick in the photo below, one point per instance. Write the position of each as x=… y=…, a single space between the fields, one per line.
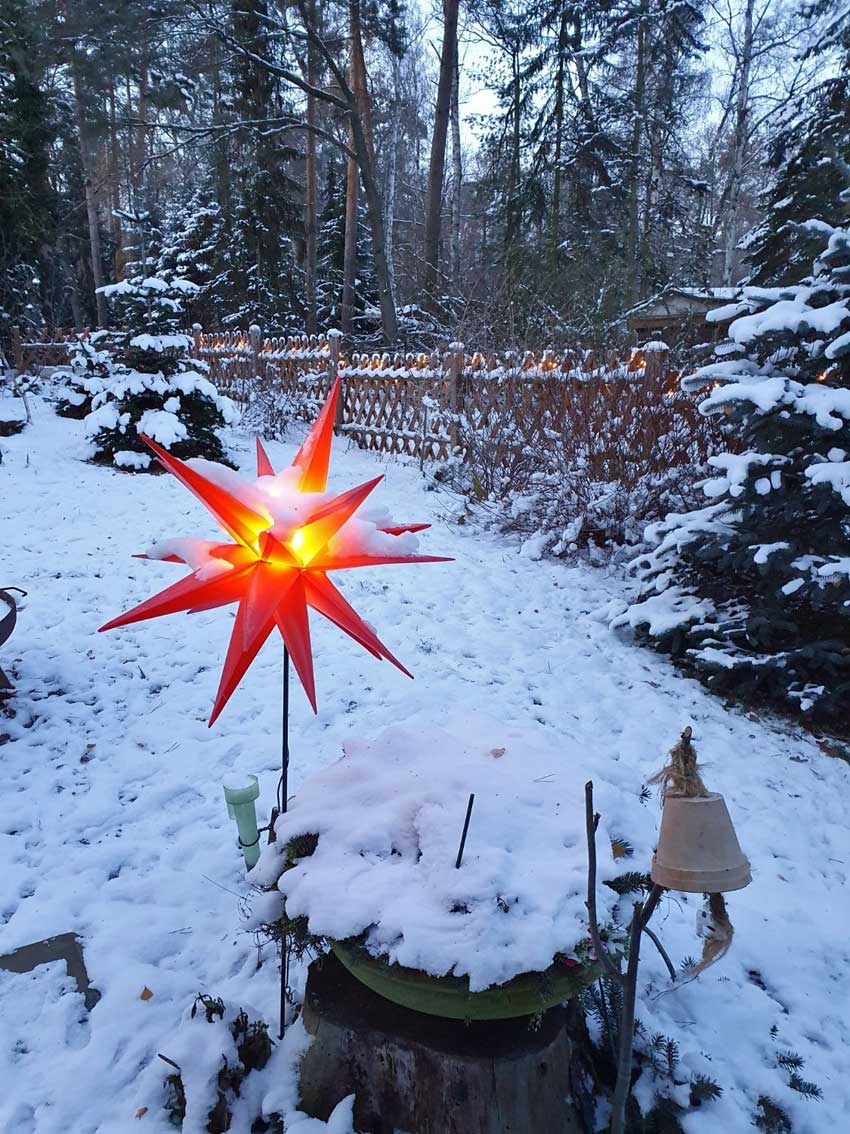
x=627 y=1028
x=652 y=937
x=592 y=821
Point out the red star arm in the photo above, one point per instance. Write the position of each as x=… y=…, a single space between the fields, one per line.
x=293 y=623
x=267 y=587
x=242 y=522
x=400 y=529
x=239 y=658
x=189 y=593
x=264 y=465
x=314 y=456
x=330 y=562
x=323 y=596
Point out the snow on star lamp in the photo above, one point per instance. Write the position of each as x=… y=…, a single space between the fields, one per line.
x=288 y=533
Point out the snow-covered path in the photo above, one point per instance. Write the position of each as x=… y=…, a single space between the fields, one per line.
x=114 y=826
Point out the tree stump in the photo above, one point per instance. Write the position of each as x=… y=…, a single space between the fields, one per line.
x=427 y=1075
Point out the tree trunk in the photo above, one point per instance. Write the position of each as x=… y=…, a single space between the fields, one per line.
x=310 y=218
x=392 y=167
x=349 y=259
x=637 y=134
x=91 y=197
x=512 y=210
x=115 y=189
x=411 y=1071
x=434 y=191
x=739 y=147
x=555 y=217
x=457 y=172
x=361 y=123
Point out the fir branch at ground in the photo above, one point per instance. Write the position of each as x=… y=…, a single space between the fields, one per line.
x=115 y=825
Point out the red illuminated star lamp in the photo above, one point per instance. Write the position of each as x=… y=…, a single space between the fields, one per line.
x=277 y=568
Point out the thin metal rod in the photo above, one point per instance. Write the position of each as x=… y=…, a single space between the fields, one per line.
x=282 y=802
x=465 y=829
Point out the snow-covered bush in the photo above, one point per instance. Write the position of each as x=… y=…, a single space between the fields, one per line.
x=89 y=370
x=367 y=851
x=752 y=590
x=155 y=387
x=569 y=464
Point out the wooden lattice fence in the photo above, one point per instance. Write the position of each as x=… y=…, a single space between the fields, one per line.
x=418 y=405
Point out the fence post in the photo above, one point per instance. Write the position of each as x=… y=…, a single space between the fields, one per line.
x=655 y=352
x=334 y=337
x=197 y=330
x=455 y=372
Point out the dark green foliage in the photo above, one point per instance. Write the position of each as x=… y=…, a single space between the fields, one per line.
x=704 y=1089
x=811 y=156
x=770 y=1118
x=758 y=595
x=630 y=883
x=27 y=200
x=805 y=1087
x=154 y=386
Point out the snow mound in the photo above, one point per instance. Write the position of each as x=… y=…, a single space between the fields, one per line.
x=389 y=817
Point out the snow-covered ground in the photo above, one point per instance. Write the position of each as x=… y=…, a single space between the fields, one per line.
x=114 y=826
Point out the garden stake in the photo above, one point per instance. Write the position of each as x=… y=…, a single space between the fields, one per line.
x=282 y=797
x=465 y=829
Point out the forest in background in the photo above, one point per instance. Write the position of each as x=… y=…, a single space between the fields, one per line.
x=311 y=163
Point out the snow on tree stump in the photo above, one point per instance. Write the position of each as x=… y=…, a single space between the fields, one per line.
x=425 y=1074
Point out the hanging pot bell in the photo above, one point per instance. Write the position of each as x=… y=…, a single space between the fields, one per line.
x=698 y=851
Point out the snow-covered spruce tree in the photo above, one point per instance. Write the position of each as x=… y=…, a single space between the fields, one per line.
x=156 y=388
x=752 y=592
x=89 y=370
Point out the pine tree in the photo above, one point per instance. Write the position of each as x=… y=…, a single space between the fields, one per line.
x=27 y=217
x=89 y=370
x=330 y=253
x=193 y=245
x=752 y=592
x=811 y=156
x=155 y=387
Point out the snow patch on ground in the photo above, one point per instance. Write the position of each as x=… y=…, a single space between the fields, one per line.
x=115 y=827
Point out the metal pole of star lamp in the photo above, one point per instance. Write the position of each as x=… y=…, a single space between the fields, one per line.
x=282 y=801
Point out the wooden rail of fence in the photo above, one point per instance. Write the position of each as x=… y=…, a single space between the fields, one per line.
x=395 y=403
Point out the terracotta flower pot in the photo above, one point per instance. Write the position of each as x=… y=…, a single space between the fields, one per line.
x=698 y=851
x=449 y=996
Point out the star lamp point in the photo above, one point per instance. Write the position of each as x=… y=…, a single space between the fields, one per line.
x=276 y=580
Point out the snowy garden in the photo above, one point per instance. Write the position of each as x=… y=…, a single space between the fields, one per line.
x=409 y=726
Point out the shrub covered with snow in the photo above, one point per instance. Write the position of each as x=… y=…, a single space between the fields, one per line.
x=87 y=375
x=155 y=387
x=388 y=818
x=571 y=464
x=752 y=590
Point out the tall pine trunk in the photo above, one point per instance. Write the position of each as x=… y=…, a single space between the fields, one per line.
x=87 y=163
x=739 y=147
x=457 y=173
x=349 y=256
x=361 y=122
x=436 y=168
x=310 y=175
x=632 y=240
